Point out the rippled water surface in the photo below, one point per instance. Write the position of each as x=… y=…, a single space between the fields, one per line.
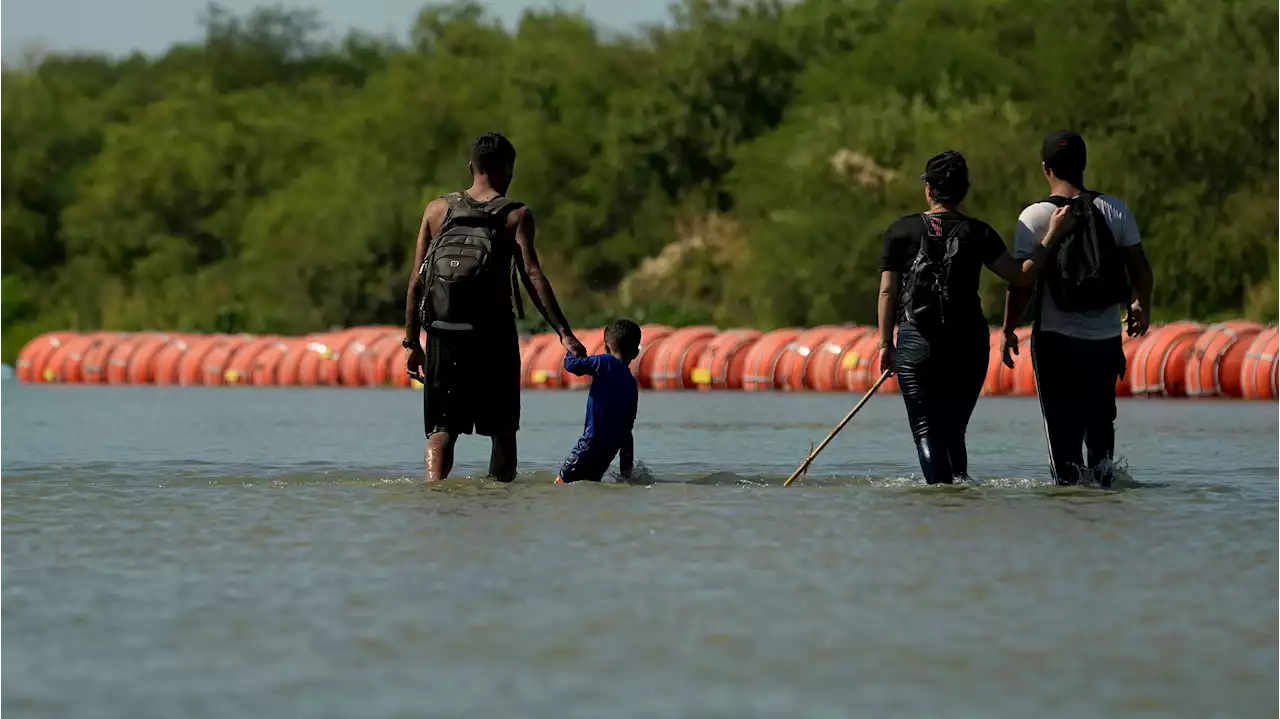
x=273 y=553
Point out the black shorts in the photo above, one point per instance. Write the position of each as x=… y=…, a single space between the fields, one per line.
x=472 y=381
x=587 y=462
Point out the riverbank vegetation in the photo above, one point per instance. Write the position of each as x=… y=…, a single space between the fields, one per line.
x=734 y=166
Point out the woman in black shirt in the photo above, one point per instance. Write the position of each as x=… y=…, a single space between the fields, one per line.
x=929 y=289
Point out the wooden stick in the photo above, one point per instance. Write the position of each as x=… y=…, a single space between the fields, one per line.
x=804 y=466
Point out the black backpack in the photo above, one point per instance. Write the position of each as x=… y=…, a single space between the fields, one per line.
x=1086 y=270
x=469 y=272
x=924 y=289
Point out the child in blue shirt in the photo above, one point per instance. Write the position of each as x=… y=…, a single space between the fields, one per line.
x=611 y=407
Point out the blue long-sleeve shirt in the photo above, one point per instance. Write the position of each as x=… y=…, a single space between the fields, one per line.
x=611 y=405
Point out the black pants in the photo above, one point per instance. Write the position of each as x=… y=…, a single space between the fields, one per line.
x=941 y=375
x=1076 y=382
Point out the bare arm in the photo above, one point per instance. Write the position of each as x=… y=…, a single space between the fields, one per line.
x=1135 y=260
x=887 y=307
x=412 y=321
x=535 y=282
x=1015 y=303
x=626 y=456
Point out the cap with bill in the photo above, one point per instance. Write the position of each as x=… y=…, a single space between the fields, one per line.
x=1064 y=151
x=946 y=170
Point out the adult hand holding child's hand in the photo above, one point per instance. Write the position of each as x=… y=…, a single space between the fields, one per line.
x=572 y=345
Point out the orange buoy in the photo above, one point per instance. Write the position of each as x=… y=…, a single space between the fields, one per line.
x=1217 y=357
x=213 y=370
x=995 y=365
x=391 y=369
x=723 y=360
x=857 y=363
x=373 y=360
x=65 y=364
x=796 y=355
x=262 y=370
x=677 y=355
x=191 y=366
x=644 y=363
x=1124 y=385
x=93 y=368
x=138 y=367
x=593 y=341
x=318 y=349
x=286 y=370
x=239 y=365
x=1258 y=373
x=350 y=357
x=529 y=350
x=546 y=369
x=763 y=358
x=1161 y=360
x=327 y=366
x=168 y=361
x=822 y=371
x=34 y=355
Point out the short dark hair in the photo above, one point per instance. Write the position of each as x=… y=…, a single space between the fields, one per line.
x=1065 y=154
x=623 y=336
x=491 y=151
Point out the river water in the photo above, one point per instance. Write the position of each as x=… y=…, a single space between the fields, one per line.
x=205 y=552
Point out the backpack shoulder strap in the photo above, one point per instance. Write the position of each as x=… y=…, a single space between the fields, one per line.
x=1057 y=200
x=961 y=226
x=457 y=203
x=499 y=207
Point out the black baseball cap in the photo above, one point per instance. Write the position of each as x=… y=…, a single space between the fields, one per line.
x=1064 y=153
x=948 y=174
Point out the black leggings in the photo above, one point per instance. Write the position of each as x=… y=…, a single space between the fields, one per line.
x=941 y=376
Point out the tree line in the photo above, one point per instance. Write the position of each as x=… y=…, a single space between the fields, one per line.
x=734 y=166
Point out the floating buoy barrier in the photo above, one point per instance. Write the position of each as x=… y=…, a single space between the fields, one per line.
x=1235 y=359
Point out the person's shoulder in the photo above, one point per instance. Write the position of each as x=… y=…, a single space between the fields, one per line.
x=1108 y=203
x=435 y=212
x=1037 y=213
x=438 y=206
x=1039 y=207
x=977 y=226
x=905 y=225
x=519 y=215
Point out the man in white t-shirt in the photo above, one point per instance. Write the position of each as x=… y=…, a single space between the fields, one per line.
x=1077 y=355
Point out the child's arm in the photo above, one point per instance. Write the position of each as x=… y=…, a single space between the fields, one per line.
x=626 y=456
x=627 y=453
x=581 y=365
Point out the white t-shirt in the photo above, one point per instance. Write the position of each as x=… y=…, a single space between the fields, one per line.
x=1103 y=324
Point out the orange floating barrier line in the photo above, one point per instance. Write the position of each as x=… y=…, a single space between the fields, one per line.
x=1236 y=359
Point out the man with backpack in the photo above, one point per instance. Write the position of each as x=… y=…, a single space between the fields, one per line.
x=471 y=247
x=1076 y=346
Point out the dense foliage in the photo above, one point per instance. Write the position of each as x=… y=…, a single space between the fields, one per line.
x=736 y=166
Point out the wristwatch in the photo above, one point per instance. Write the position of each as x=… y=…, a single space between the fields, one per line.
x=409 y=343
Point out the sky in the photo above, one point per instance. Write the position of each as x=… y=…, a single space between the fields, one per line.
x=122 y=26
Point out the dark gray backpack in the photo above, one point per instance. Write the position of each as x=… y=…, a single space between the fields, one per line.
x=469 y=273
